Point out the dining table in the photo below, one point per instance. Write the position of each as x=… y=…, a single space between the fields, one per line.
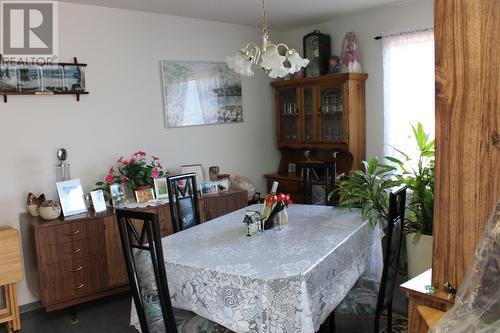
x=287 y=279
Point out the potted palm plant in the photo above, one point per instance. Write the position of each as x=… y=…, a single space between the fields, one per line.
x=418 y=175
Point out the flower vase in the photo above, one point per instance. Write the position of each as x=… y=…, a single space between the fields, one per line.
x=283 y=216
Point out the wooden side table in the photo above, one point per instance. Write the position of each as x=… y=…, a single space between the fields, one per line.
x=11 y=271
x=419 y=296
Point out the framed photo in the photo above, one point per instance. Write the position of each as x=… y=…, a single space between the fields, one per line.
x=98 y=201
x=73 y=78
x=161 y=189
x=223 y=185
x=71 y=197
x=197 y=169
x=200 y=93
x=144 y=195
x=209 y=188
x=8 y=78
x=52 y=78
x=117 y=194
x=29 y=78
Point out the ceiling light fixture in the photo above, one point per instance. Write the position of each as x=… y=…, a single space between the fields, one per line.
x=268 y=57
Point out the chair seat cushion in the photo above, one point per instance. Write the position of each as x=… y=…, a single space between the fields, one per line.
x=189 y=322
x=361 y=299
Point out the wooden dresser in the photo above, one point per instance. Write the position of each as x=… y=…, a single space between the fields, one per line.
x=80 y=258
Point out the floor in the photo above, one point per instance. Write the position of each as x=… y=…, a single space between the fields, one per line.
x=107 y=315
x=112 y=314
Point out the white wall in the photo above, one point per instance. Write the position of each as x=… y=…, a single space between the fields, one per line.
x=366 y=25
x=124 y=111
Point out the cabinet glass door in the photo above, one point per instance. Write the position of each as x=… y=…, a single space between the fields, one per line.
x=309 y=115
x=289 y=116
x=332 y=114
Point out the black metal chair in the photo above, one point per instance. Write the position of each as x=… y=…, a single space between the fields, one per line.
x=370 y=298
x=184 y=206
x=318 y=178
x=320 y=175
x=142 y=249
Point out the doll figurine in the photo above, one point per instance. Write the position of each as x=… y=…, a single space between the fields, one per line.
x=351 y=62
x=334 y=65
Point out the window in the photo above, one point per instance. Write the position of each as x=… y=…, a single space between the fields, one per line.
x=408 y=88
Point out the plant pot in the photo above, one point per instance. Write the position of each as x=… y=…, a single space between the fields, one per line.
x=419 y=254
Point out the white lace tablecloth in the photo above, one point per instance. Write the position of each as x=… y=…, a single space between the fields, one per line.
x=285 y=280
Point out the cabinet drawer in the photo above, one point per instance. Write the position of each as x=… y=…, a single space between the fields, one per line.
x=78 y=249
x=69 y=232
x=72 y=278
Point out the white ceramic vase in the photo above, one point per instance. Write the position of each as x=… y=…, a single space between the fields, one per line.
x=419 y=254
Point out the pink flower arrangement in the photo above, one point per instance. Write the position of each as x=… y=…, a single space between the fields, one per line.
x=135 y=171
x=284 y=198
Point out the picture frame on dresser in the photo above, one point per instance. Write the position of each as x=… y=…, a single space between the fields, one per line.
x=161 y=188
x=198 y=170
x=117 y=192
x=98 y=201
x=71 y=197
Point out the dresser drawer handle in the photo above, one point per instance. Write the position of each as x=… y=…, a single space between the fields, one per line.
x=79 y=287
x=72 y=233
x=74 y=252
x=75 y=270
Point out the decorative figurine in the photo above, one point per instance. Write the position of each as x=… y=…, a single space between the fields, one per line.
x=62 y=170
x=334 y=65
x=351 y=62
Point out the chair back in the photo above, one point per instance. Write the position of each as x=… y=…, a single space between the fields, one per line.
x=184 y=206
x=141 y=243
x=394 y=235
x=317 y=174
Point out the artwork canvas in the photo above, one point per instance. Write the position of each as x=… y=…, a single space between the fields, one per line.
x=200 y=93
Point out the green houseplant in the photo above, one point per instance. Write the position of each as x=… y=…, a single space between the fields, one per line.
x=418 y=175
x=369 y=190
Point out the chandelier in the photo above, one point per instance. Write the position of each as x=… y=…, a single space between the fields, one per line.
x=271 y=57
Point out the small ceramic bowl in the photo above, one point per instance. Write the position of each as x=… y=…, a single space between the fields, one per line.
x=49 y=210
x=33 y=209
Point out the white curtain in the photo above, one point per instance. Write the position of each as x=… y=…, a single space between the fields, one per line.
x=408 y=88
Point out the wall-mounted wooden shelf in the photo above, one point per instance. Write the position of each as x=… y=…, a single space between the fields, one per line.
x=77 y=93
x=45 y=93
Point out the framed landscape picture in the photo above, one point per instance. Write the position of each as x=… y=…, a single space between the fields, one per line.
x=200 y=93
x=161 y=188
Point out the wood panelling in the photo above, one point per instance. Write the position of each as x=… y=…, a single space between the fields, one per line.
x=467 y=131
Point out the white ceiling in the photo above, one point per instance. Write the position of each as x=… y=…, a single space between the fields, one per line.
x=282 y=14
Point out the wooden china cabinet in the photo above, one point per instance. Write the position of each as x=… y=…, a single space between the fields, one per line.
x=318 y=115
